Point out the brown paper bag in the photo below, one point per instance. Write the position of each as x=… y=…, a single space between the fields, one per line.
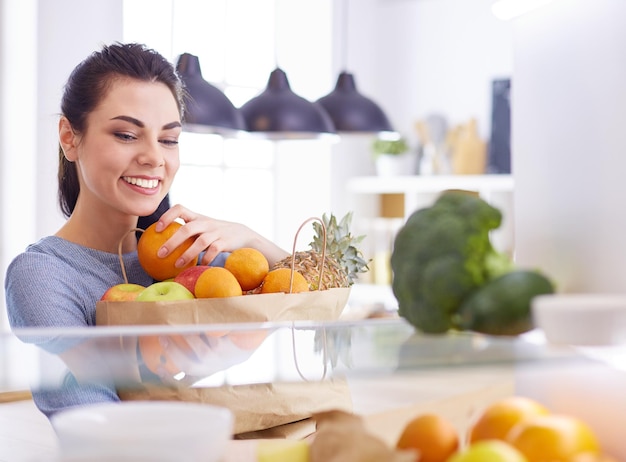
x=256 y=407
x=319 y=305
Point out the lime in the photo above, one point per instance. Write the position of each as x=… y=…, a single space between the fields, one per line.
x=489 y=450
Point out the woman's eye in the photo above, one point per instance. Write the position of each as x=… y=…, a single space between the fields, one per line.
x=170 y=142
x=125 y=136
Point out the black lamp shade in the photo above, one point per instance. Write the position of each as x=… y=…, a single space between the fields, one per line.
x=207 y=105
x=350 y=111
x=278 y=109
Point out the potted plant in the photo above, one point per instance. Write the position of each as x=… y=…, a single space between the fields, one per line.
x=393 y=157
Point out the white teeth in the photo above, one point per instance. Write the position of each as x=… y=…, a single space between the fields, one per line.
x=142 y=182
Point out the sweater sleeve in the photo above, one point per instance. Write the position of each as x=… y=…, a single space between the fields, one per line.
x=43 y=292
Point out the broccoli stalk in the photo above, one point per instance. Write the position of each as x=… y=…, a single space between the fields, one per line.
x=441 y=255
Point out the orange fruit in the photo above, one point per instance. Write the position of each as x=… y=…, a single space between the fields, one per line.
x=217 y=282
x=149 y=244
x=279 y=280
x=434 y=437
x=553 y=437
x=247 y=339
x=249 y=266
x=498 y=418
x=154 y=357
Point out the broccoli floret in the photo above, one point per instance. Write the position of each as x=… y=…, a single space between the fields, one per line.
x=441 y=255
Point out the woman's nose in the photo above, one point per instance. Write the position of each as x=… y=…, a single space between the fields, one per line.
x=151 y=154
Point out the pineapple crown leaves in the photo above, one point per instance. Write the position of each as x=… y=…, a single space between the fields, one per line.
x=340 y=244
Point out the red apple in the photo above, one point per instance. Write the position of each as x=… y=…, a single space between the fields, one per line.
x=122 y=292
x=189 y=276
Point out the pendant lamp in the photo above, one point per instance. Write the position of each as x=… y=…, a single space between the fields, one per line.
x=279 y=113
x=208 y=109
x=350 y=111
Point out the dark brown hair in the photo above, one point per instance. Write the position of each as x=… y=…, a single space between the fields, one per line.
x=87 y=86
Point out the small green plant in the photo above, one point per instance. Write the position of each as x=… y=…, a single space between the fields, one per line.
x=393 y=147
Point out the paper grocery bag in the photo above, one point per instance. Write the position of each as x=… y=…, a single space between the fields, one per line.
x=256 y=407
x=319 y=305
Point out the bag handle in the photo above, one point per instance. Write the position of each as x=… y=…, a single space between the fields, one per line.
x=293 y=252
x=119 y=252
x=295 y=354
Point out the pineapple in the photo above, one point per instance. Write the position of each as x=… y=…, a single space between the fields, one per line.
x=343 y=260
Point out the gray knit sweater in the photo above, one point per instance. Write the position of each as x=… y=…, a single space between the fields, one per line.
x=56 y=283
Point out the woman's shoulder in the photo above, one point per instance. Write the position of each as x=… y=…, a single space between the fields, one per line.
x=53 y=245
x=54 y=258
x=48 y=251
x=64 y=251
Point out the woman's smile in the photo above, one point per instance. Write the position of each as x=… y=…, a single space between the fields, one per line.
x=143 y=185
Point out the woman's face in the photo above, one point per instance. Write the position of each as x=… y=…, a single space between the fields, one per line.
x=128 y=155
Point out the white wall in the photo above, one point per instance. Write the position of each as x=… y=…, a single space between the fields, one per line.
x=17 y=127
x=569 y=126
x=41 y=42
x=414 y=57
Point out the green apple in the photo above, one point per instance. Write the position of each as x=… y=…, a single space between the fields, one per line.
x=163 y=291
x=122 y=292
x=489 y=450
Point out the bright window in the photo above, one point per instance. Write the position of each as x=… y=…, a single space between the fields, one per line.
x=239 y=42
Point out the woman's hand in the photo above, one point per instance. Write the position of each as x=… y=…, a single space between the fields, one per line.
x=189 y=357
x=213 y=236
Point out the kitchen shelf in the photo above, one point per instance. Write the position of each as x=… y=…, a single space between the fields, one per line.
x=390 y=369
x=421 y=190
x=379 y=214
x=358 y=347
x=415 y=184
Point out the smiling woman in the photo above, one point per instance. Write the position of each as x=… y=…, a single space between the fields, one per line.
x=122 y=113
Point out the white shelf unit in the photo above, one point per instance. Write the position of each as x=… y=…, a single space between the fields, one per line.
x=418 y=191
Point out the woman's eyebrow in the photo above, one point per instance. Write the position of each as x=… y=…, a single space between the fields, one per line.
x=174 y=124
x=131 y=120
x=140 y=124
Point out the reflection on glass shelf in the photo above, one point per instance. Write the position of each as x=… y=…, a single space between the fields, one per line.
x=235 y=354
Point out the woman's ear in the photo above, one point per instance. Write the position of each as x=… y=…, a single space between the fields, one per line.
x=67 y=139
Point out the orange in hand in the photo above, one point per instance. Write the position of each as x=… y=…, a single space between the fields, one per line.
x=249 y=266
x=149 y=244
x=434 y=437
x=154 y=357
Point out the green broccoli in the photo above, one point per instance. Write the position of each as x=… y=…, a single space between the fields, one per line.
x=442 y=255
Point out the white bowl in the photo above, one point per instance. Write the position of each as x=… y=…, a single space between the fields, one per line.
x=155 y=431
x=581 y=319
